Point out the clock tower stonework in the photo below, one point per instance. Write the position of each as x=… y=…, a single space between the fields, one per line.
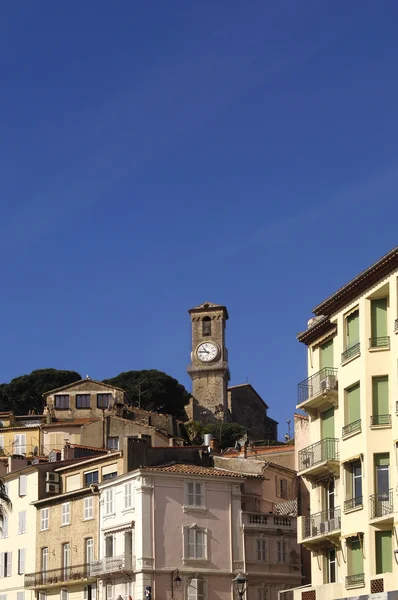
x=209 y=369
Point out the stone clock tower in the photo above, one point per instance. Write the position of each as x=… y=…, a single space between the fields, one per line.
x=209 y=369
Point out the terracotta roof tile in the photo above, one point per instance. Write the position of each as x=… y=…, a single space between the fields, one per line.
x=84 y=447
x=259 y=450
x=71 y=423
x=198 y=470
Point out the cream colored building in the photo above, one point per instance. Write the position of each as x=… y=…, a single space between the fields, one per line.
x=350 y=457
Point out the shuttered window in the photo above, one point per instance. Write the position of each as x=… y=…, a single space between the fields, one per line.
x=326 y=354
x=383 y=552
x=378 y=315
x=355 y=556
x=380 y=396
x=353 y=411
x=352 y=329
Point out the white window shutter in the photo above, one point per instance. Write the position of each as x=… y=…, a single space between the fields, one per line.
x=2 y=563
x=186 y=542
x=93 y=591
x=9 y=564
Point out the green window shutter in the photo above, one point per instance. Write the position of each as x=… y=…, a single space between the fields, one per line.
x=378 y=313
x=353 y=329
x=356 y=558
x=383 y=552
x=382 y=460
x=327 y=423
x=353 y=404
x=326 y=355
x=380 y=396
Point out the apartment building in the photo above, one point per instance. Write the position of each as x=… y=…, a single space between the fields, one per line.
x=19 y=435
x=349 y=459
x=66 y=520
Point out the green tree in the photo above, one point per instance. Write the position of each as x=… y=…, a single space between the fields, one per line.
x=153 y=390
x=25 y=393
x=226 y=434
x=5 y=502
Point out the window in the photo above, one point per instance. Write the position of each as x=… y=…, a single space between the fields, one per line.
x=90 y=592
x=195 y=543
x=281 y=487
x=61 y=401
x=383 y=551
x=195 y=494
x=64 y=594
x=44 y=518
x=352 y=409
x=42 y=595
x=3 y=596
x=109 y=546
x=82 y=400
x=109 y=592
x=65 y=519
x=108 y=502
x=22 y=522
x=20 y=595
x=354 y=485
x=196 y=589
x=22 y=485
x=109 y=475
x=128 y=495
x=103 y=400
x=88 y=508
x=90 y=478
x=19 y=443
x=331 y=566
x=66 y=559
x=354 y=555
x=378 y=319
x=5 y=564
x=21 y=561
x=380 y=403
x=4 y=526
x=128 y=590
x=326 y=355
x=382 y=483
x=44 y=560
x=261 y=549
x=352 y=328
x=89 y=550
x=263 y=593
x=206 y=326
x=281 y=551
x=113 y=443
x=1 y=441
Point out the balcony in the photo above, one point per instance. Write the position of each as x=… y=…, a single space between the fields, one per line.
x=396 y=326
x=319 y=459
x=112 y=564
x=320 y=525
x=57 y=577
x=354 y=427
x=380 y=421
x=353 y=581
x=382 y=506
x=379 y=342
x=353 y=503
x=319 y=390
x=267 y=521
x=350 y=353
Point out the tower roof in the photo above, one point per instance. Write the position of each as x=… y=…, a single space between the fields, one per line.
x=209 y=307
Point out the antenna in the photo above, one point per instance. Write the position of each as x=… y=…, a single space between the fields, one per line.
x=287 y=436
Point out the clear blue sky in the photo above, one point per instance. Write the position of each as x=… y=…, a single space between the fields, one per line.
x=155 y=155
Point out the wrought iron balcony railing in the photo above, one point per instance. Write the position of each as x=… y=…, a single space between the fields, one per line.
x=53 y=576
x=319 y=452
x=381 y=504
x=379 y=342
x=357 y=580
x=319 y=383
x=353 y=503
x=322 y=523
x=352 y=351
x=380 y=420
x=112 y=564
x=351 y=428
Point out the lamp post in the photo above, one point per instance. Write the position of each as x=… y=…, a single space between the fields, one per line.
x=240 y=584
x=175 y=581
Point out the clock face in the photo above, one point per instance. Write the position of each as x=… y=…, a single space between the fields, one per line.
x=207 y=351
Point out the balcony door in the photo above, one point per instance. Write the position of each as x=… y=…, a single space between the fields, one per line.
x=327 y=424
x=326 y=355
x=66 y=560
x=382 y=481
x=128 y=549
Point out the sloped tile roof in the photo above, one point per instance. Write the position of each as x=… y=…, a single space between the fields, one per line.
x=185 y=469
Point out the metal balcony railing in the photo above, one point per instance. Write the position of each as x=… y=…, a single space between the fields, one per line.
x=396 y=325
x=112 y=564
x=319 y=383
x=353 y=503
x=381 y=504
x=380 y=420
x=319 y=452
x=352 y=351
x=351 y=428
x=355 y=580
x=322 y=523
x=53 y=576
x=379 y=342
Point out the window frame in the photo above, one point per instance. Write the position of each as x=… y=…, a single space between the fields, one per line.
x=65 y=400
x=81 y=396
x=112 y=446
x=109 y=502
x=102 y=395
x=262 y=549
x=196 y=594
x=21 y=560
x=65 y=514
x=195 y=529
x=88 y=508
x=281 y=551
x=86 y=483
x=22 y=522
x=44 y=519
x=191 y=497
x=86 y=547
x=22 y=485
x=128 y=495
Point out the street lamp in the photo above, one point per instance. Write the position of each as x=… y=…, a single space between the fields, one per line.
x=175 y=581
x=240 y=584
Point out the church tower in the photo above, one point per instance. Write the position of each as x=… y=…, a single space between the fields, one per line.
x=209 y=369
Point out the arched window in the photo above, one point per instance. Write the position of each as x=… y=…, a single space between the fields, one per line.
x=206 y=326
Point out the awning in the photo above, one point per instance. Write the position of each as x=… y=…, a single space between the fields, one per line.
x=110 y=530
x=352 y=311
x=351 y=535
x=352 y=458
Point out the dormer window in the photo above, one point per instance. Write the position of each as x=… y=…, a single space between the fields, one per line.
x=82 y=400
x=61 y=401
x=206 y=326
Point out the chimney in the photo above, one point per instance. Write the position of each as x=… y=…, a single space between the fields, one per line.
x=244 y=450
x=214 y=446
